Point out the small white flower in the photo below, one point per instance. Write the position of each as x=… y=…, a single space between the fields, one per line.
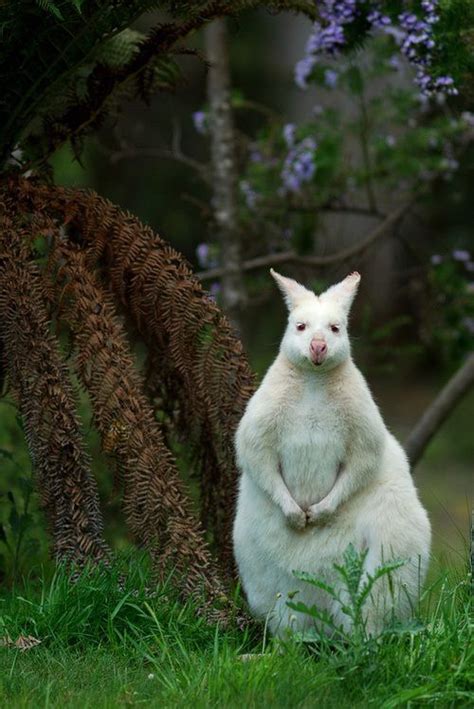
x=468 y=118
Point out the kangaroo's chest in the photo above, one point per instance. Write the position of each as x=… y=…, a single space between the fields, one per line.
x=312 y=446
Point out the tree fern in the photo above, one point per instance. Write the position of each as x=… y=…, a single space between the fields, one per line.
x=72 y=34
x=64 y=40
x=53 y=9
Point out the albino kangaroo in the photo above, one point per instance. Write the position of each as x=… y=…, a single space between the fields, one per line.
x=321 y=471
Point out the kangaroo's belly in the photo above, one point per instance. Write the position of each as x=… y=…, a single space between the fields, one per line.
x=310 y=462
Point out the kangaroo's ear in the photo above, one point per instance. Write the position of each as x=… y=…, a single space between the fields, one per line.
x=293 y=292
x=343 y=293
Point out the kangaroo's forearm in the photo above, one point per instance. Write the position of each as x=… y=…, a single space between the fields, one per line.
x=353 y=476
x=266 y=473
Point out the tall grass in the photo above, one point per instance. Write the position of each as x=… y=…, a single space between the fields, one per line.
x=108 y=641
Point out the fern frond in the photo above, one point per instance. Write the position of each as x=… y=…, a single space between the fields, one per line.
x=51 y=7
x=191 y=343
x=157 y=507
x=40 y=383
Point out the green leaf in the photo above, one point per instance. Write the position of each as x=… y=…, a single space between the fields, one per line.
x=14 y=520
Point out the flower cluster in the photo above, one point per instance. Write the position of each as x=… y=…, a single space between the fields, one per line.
x=378 y=20
x=417 y=47
x=299 y=165
x=200 y=122
x=250 y=195
x=327 y=39
x=463 y=256
x=202 y=254
x=414 y=35
x=214 y=290
x=207 y=255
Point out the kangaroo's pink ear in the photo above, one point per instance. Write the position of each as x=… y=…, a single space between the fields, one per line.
x=293 y=292
x=343 y=293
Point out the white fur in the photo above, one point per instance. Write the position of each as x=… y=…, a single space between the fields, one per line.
x=321 y=471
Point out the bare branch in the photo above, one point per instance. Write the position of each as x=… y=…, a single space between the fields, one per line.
x=439 y=410
x=128 y=151
x=350 y=209
x=317 y=261
x=170 y=154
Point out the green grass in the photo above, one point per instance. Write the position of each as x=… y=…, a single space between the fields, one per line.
x=107 y=642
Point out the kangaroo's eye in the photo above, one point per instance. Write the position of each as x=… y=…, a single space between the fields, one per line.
x=335 y=328
x=301 y=326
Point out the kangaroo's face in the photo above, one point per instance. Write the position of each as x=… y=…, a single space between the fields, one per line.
x=316 y=336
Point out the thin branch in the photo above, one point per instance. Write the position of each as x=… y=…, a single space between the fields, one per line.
x=129 y=151
x=335 y=209
x=439 y=410
x=167 y=153
x=292 y=257
x=348 y=209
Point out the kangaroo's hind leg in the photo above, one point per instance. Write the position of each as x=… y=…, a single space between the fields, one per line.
x=395 y=595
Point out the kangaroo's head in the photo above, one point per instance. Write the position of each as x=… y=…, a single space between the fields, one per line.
x=316 y=335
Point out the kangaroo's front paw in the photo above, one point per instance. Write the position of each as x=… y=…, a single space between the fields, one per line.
x=295 y=517
x=319 y=513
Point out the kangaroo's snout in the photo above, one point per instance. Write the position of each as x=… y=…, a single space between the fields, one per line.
x=318 y=350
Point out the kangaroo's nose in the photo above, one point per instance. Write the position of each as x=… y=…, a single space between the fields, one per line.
x=318 y=350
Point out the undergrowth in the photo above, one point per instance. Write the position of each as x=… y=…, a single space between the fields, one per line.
x=110 y=640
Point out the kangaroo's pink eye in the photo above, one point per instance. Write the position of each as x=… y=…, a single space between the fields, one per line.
x=301 y=326
x=335 y=328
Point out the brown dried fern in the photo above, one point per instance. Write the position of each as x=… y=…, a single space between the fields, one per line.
x=157 y=507
x=40 y=383
x=196 y=359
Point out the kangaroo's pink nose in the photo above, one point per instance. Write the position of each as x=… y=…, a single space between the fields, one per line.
x=318 y=351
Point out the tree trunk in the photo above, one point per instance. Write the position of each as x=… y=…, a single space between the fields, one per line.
x=224 y=165
x=439 y=410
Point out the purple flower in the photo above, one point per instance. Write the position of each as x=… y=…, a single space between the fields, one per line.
x=330 y=78
x=327 y=37
x=255 y=155
x=214 y=290
x=289 y=131
x=302 y=71
x=414 y=35
x=390 y=140
x=202 y=253
x=299 y=166
x=415 y=38
x=461 y=255
x=249 y=193
x=394 y=62
x=378 y=20
x=200 y=122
